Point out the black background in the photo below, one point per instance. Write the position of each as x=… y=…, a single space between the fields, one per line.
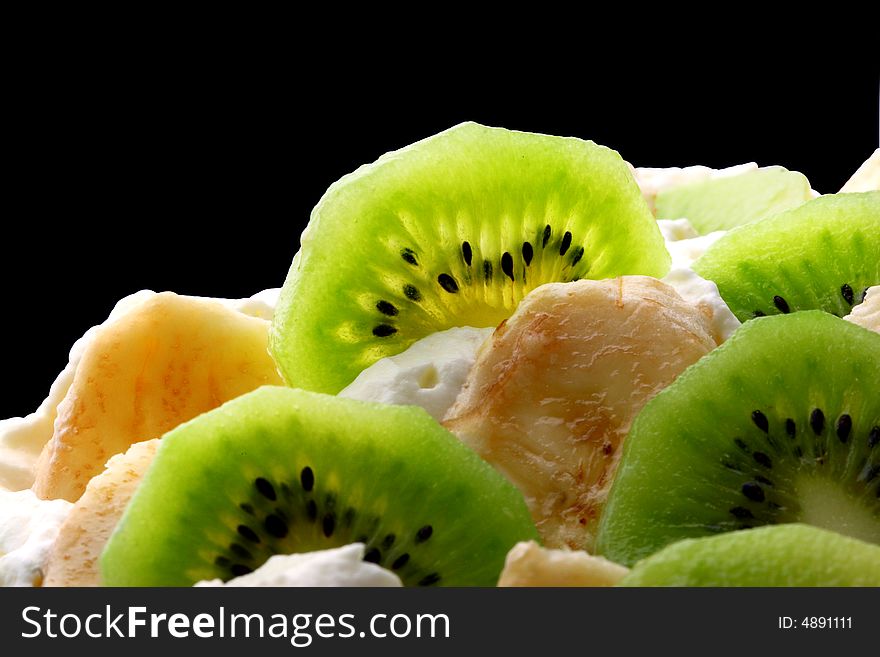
x=198 y=175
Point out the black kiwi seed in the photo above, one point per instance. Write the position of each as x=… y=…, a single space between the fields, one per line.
x=566 y=242
x=329 y=524
x=507 y=265
x=388 y=541
x=248 y=533
x=387 y=308
x=753 y=491
x=312 y=510
x=817 y=421
x=739 y=442
x=424 y=534
x=373 y=555
x=874 y=437
x=762 y=479
x=307 y=478
x=759 y=313
x=429 y=580
x=240 y=551
x=844 y=426
x=870 y=473
x=400 y=561
x=222 y=562
x=762 y=459
x=781 y=304
x=239 y=569
x=546 y=238
x=448 y=283
x=275 y=526
x=247 y=508
x=741 y=512
x=466 y=253
x=790 y=428
x=527 y=253
x=847 y=293
x=265 y=489
x=384 y=330
x=409 y=256
x=411 y=292
x=577 y=254
x=760 y=421
x=487 y=270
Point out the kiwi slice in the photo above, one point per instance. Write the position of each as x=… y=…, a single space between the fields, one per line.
x=822 y=255
x=453 y=231
x=279 y=471
x=724 y=203
x=780 y=424
x=782 y=555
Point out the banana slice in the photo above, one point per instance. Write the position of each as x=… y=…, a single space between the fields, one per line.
x=75 y=555
x=528 y=564
x=554 y=390
x=167 y=360
x=867 y=177
x=867 y=313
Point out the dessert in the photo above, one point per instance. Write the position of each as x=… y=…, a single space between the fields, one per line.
x=489 y=339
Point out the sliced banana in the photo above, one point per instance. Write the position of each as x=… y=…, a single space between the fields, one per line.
x=554 y=390
x=528 y=564
x=74 y=558
x=165 y=361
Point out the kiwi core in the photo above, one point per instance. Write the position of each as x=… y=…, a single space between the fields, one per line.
x=824 y=504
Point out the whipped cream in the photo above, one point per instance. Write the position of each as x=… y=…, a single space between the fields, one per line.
x=343 y=566
x=685 y=246
x=867 y=313
x=28 y=527
x=429 y=374
x=22 y=439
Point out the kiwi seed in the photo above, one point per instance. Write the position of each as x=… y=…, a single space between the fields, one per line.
x=847 y=293
x=817 y=421
x=466 y=253
x=781 y=304
x=760 y=421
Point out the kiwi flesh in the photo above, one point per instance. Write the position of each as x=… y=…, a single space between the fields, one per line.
x=281 y=471
x=453 y=231
x=727 y=202
x=823 y=255
x=780 y=555
x=780 y=424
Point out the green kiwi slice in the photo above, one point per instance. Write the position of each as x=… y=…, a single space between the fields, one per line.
x=822 y=255
x=453 y=231
x=279 y=471
x=780 y=424
x=781 y=555
x=724 y=203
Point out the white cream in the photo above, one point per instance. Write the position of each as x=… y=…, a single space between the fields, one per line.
x=28 y=527
x=22 y=439
x=867 y=313
x=705 y=296
x=343 y=566
x=685 y=246
x=429 y=374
